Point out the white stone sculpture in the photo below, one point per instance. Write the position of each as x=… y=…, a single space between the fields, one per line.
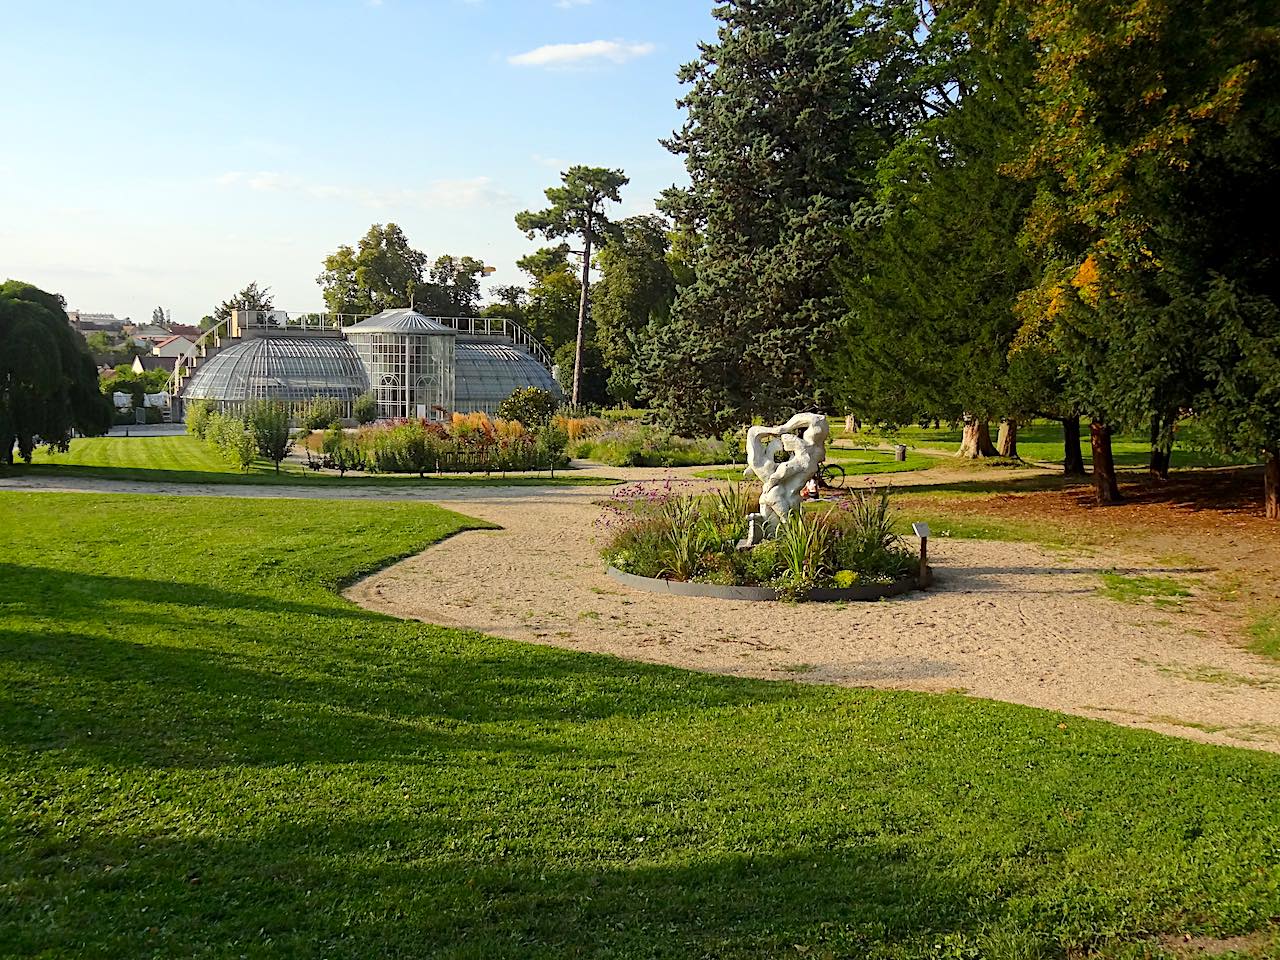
x=803 y=439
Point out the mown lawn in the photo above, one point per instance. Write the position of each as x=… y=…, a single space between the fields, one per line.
x=206 y=752
x=855 y=463
x=1041 y=440
x=185 y=459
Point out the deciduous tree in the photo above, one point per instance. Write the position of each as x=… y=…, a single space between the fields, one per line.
x=48 y=380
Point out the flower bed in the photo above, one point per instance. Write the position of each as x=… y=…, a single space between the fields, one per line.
x=471 y=443
x=640 y=445
x=661 y=532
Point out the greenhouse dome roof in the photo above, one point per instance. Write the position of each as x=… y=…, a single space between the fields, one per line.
x=405 y=322
x=487 y=373
x=281 y=368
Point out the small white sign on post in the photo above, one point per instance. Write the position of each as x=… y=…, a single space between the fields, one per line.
x=921 y=530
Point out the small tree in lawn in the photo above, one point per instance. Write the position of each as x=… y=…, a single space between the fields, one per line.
x=577 y=210
x=269 y=424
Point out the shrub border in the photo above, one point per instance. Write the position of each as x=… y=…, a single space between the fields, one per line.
x=680 y=588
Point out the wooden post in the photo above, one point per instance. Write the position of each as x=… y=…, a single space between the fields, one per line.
x=921 y=530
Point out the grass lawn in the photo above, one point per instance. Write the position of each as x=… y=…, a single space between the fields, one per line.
x=855 y=463
x=1042 y=440
x=1264 y=634
x=185 y=459
x=206 y=752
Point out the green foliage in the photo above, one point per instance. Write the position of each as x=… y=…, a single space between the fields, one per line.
x=636 y=288
x=789 y=109
x=578 y=210
x=125 y=380
x=232 y=438
x=531 y=406
x=932 y=267
x=268 y=422
x=365 y=409
x=319 y=413
x=657 y=532
x=470 y=445
x=1155 y=123
x=384 y=272
x=197 y=417
x=551 y=310
x=186 y=459
x=593 y=386
x=48 y=381
x=250 y=298
x=639 y=445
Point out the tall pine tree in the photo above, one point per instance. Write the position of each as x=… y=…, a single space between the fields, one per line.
x=788 y=112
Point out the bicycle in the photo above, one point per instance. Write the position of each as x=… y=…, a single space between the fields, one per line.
x=831 y=476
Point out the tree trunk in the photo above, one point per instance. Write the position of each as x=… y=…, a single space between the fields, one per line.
x=1072 y=459
x=1159 y=466
x=976 y=440
x=1104 y=466
x=1161 y=449
x=1007 y=442
x=582 y=311
x=1271 y=498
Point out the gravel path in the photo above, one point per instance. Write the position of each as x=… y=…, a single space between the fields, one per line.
x=1006 y=621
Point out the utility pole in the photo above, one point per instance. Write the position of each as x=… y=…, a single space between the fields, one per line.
x=582 y=307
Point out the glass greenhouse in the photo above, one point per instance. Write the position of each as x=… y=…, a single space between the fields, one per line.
x=488 y=373
x=293 y=369
x=410 y=363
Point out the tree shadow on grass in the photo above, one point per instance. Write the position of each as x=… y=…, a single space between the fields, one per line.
x=357 y=887
x=136 y=671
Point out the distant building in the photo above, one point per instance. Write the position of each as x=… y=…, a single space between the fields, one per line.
x=91 y=322
x=172 y=346
x=185 y=330
x=148 y=331
x=143 y=364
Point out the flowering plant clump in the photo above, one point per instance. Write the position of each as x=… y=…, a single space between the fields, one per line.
x=670 y=531
x=469 y=443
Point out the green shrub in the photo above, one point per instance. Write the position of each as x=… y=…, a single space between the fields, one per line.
x=319 y=413
x=365 y=409
x=639 y=445
x=531 y=406
x=625 y=414
x=198 y=412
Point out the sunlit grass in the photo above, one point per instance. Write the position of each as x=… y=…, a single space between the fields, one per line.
x=205 y=751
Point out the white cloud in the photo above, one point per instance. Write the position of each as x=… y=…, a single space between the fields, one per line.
x=569 y=54
x=566 y=4
x=468 y=193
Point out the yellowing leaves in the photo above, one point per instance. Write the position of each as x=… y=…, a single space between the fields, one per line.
x=1087 y=281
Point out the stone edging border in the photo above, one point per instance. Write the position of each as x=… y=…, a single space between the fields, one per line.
x=679 y=588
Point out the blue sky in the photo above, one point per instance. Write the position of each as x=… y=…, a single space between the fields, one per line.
x=169 y=153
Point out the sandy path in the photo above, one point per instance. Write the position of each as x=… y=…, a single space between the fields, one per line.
x=1007 y=621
